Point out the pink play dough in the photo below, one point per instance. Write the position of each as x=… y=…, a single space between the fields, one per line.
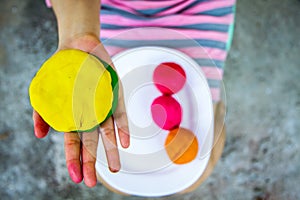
x=166 y=112
x=169 y=77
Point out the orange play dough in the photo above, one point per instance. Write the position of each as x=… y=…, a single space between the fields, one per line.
x=181 y=145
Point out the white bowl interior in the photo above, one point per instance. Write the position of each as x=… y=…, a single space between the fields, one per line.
x=146 y=168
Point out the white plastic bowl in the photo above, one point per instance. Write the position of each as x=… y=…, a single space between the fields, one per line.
x=146 y=168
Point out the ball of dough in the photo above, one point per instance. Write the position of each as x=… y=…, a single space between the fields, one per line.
x=166 y=112
x=169 y=78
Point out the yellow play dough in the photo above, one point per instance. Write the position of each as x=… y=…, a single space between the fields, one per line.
x=72 y=91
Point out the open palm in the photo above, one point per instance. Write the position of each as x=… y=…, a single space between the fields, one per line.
x=81 y=149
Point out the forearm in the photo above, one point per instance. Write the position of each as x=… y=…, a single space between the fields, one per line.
x=76 y=18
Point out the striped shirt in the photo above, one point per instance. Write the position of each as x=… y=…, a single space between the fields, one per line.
x=202 y=29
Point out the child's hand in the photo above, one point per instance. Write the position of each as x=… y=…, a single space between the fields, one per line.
x=81 y=150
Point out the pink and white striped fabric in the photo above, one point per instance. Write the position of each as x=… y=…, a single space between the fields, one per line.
x=202 y=29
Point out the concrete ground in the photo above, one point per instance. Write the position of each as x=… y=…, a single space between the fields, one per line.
x=263 y=96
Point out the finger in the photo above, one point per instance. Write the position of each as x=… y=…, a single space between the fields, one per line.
x=89 y=152
x=108 y=136
x=120 y=117
x=72 y=153
x=41 y=128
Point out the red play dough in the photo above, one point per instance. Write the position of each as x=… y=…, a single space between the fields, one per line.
x=169 y=77
x=166 y=112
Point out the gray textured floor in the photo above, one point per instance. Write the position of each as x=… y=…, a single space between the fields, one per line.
x=261 y=157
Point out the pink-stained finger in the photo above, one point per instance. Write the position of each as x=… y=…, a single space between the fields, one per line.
x=89 y=154
x=108 y=136
x=41 y=128
x=72 y=153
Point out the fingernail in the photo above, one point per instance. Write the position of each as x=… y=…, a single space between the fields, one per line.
x=125 y=144
x=113 y=170
x=114 y=166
